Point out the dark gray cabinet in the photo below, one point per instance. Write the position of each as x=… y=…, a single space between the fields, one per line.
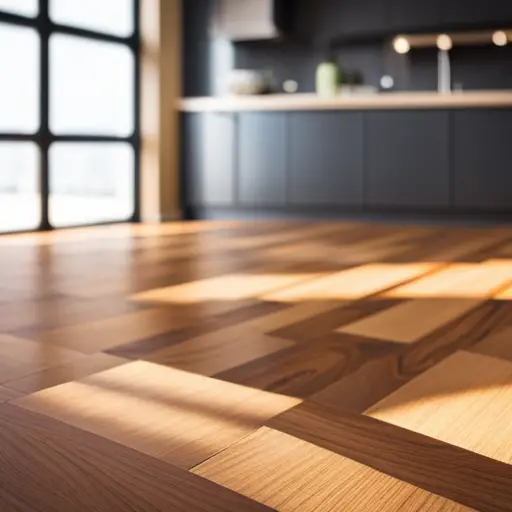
x=208 y=156
x=482 y=159
x=349 y=18
x=475 y=13
x=326 y=158
x=262 y=159
x=407 y=159
x=408 y=15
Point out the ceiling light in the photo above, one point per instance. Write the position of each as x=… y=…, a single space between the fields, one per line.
x=500 y=38
x=401 y=45
x=444 y=42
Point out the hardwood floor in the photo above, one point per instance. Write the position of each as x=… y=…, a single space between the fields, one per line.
x=293 y=366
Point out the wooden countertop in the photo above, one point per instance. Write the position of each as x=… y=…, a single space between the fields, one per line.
x=396 y=100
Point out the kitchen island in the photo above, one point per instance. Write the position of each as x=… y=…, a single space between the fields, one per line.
x=411 y=154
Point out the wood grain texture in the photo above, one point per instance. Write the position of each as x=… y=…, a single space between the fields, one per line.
x=55 y=375
x=342 y=314
x=352 y=284
x=411 y=321
x=377 y=377
x=464 y=400
x=324 y=322
x=220 y=351
x=453 y=472
x=50 y=467
x=231 y=287
x=469 y=281
x=303 y=477
x=498 y=344
x=100 y=335
x=7 y=394
x=20 y=357
x=176 y=416
x=306 y=368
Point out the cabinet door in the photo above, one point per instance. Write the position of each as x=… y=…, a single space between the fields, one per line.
x=407 y=15
x=217 y=165
x=351 y=18
x=326 y=158
x=191 y=158
x=482 y=155
x=208 y=151
x=477 y=13
x=262 y=159
x=407 y=159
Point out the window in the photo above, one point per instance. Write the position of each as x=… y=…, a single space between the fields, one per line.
x=69 y=139
x=90 y=182
x=109 y=16
x=19 y=186
x=19 y=79
x=91 y=87
x=29 y=8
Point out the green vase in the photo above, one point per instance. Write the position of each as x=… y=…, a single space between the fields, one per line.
x=328 y=78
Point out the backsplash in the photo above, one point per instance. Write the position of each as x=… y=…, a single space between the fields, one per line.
x=207 y=60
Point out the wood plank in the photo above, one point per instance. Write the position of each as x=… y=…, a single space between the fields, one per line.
x=219 y=351
x=59 y=311
x=50 y=467
x=169 y=414
x=55 y=375
x=306 y=368
x=90 y=337
x=377 y=377
x=352 y=284
x=460 y=280
x=7 y=394
x=411 y=321
x=498 y=344
x=453 y=472
x=20 y=357
x=310 y=328
x=207 y=321
x=464 y=400
x=228 y=287
x=302 y=477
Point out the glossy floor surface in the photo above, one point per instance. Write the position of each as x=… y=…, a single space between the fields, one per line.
x=256 y=366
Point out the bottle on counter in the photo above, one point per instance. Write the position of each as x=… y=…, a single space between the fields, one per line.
x=328 y=78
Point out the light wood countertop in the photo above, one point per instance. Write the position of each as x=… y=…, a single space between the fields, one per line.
x=382 y=101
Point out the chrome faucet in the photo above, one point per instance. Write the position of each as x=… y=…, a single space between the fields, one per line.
x=444 y=73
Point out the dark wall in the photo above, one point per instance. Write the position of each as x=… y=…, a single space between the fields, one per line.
x=361 y=31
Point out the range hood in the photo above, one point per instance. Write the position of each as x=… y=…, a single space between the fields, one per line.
x=252 y=20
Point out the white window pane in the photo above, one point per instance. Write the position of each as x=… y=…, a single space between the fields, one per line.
x=90 y=182
x=29 y=8
x=91 y=87
x=110 y=16
x=19 y=79
x=20 y=201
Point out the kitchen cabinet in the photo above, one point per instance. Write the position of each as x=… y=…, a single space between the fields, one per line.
x=262 y=159
x=476 y=13
x=326 y=158
x=208 y=158
x=406 y=15
x=407 y=159
x=350 y=18
x=482 y=159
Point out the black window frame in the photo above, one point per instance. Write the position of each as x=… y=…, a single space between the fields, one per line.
x=43 y=138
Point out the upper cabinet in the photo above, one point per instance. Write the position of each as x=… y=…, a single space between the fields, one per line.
x=475 y=13
x=408 y=15
x=350 y=18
